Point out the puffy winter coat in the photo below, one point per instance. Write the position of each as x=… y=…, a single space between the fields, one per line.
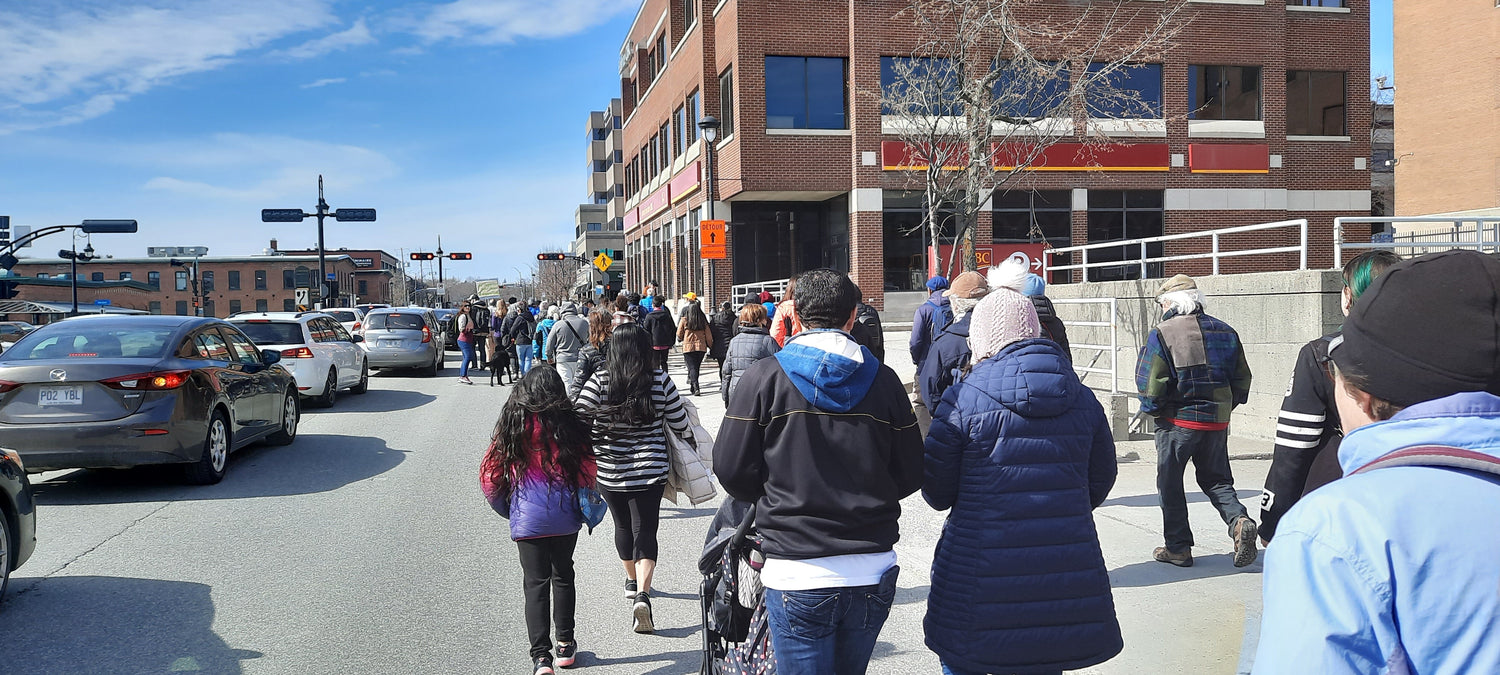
x=722 y=324
x=949 y=352
x=1021 y=453
x=1052 y=327
x=752 y=344
x=538 y=505
x=931 y=318
x=692 y=467
x=786 y=323
x=590 y=361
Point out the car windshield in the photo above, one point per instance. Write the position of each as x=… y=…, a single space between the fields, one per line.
x=394 y=321
x=272 y=332
x=342 y=315
x=83 y=340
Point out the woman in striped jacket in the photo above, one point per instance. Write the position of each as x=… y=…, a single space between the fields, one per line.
x=631 y=403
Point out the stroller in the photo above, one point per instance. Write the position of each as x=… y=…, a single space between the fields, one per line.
x=736 y=631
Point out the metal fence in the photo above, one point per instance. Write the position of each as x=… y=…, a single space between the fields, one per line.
x=1111 y=349
x=741 y=293
x=1215 y=253
x=1481 y=233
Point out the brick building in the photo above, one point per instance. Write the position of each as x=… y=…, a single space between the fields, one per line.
x=1446 y=56
x=807 y=178
x=378 y=275
x=227 y=284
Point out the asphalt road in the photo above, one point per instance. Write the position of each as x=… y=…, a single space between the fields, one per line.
x=366 y=547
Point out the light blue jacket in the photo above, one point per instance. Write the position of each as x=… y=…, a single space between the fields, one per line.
x=1396 y=570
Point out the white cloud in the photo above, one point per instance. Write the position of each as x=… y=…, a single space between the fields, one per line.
x=254 y=167
x=504 y=21
x=358 y=34
x=325 y=82
x=65 y=66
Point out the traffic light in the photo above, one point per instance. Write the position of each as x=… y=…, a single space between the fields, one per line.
x=460 y=256
x=7 y=289
x=551 y=256
x=354 y=215
x=422 y=256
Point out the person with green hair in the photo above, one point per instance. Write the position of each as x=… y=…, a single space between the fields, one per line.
x=1308 y=430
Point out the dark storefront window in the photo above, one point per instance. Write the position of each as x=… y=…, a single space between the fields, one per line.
x=96 y=276
x=234 y=280
x=234 y=307
x=906 y=239
x=1134 y=92
x=364 y=287
x=776 y=240
x=1314 y=103
x=928 y=85
x=1124 y=214
x=726 y=102
x=153 y=279
x=208 y=308
x=182 y=308
x=1041 y=217
x=804 y=92
x=1224 y=92
x=260 y=280
x=260 y=305
x=288 y=279
x=208 y=281
x=1032 y=88
x=288 y=305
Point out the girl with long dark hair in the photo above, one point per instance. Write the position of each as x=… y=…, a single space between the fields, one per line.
x=465 y=325
x=628 y=402
x=537 y=461
x=696 y=338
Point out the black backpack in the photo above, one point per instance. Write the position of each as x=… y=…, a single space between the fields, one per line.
x=867 y=330
x=480 y=316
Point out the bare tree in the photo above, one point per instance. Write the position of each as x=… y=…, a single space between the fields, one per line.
x=993 y=84
x=555 y=278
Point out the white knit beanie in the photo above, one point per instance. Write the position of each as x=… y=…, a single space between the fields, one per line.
x=1004 y=317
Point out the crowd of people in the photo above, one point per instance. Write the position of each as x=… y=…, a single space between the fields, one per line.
x=821 y=440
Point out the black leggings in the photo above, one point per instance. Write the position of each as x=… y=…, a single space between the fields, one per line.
x=637 y=514
x=547 y=563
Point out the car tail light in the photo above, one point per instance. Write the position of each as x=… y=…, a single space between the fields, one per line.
x=426 y=335
x=157 y=381
x=298 y=353
x=155 y=432
x=357 y=326
x=7 y=385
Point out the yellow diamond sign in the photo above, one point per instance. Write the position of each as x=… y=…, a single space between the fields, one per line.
x=603 y=261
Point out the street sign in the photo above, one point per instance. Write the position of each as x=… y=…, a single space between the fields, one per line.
x=281 y=215
x=332 y=276
x=354 y=215
x=1029 y=255
x=302 y=296
x=102 y=302
x=603 y=261
x=711 y=240
x=323 y=291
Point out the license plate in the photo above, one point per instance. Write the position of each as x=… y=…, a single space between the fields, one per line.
x=390 y=344
x=60 y=396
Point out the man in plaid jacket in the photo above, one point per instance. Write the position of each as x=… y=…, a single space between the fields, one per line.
x=1191 y=374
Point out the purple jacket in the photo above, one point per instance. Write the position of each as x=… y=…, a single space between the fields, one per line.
x=537 y=505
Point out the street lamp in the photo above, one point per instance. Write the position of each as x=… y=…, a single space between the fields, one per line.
x=73 y=257
x=710 y=127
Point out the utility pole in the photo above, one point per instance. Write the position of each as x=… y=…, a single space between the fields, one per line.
x=442 y=288
x=296 y=216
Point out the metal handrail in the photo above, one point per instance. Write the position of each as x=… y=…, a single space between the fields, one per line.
x=1113 y=347
x=1215 y=254
x=776 y=287
x=1479 y=243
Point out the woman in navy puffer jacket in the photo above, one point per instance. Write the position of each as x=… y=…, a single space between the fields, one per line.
x=1021 y=453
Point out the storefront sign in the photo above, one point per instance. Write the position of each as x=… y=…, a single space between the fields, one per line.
x=687 y=182
x=1083 y=157
x=987 y=256
x=655 y=203
x=364 y=262
x=1229 y=158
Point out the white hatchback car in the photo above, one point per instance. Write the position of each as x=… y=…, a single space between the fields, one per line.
x=322 y=356
x=351 y=318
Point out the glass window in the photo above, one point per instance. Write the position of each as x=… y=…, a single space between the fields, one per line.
x=235 y=307
x=208 y=281
x=260 y=280
x=244 y=351
x=182 y=279
x=1124 y=214
x=661 y=52
x=689 y=13
x=680 y=119
x=44 y=275
x=96 y=276
x=1224 y=92
x=288 y=279
x=91 y=339
x=154 y=307
x=804 y=92
x=726 y=103
x=126 y=276
x=1315 y=103
x=153 y=279
x=234 y=280
x=1316 y=3
x=919 y=85
x=261 y=305
x=208 y=308
x=694 y=108
x=182 y=308
x=664 y=136
x=364 y=287
x=1128 y=92
x=288 y=305
x=209 y=345
x=1032 y=88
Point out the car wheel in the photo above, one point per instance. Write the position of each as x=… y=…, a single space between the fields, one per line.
x=290 y=416
x=436 y=367
x=364 y=380
x=209 y=468
x=6 y=527
x=330 y=390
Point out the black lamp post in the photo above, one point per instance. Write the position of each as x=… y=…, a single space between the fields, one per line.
x=73 y=257
x=710 y=127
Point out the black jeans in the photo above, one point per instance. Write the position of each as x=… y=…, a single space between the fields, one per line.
x=694 y=366
x=1209 y=452
x=637 y=515
x=479 y=360
x=661 y=358
x=547 y=564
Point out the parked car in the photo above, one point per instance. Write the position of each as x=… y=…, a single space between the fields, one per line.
x=322 y=356
x=404 y=337
x=17 y=516
x=112 y=391
x=352 y=319
x=10 y=331
x=446 y=320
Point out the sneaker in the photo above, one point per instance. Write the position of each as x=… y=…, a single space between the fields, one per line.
x=567 y=654
x=542 y=665
x=642 y=611
x=1183 y=559
x=465 y=380
x=630 y=589
x=1244 y=541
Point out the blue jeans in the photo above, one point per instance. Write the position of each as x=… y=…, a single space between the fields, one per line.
x=467 y=348
x=523 y=358
x=828 y=631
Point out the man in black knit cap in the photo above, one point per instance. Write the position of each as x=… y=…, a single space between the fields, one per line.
x=1393 y=568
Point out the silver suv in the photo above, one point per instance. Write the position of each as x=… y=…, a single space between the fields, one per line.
x=404 y=337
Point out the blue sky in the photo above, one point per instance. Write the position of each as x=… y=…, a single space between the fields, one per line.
x=460 y=118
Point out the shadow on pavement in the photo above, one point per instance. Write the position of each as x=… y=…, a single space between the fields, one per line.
x=908 y=596
x=1153 y=501
x=376 y=401
x=113 y=625
x=314 y=463
x=676 y=663
x=1151 y=573
x=668 y=511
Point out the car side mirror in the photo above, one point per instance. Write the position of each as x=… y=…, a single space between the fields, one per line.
x=356 y=338
x=271 y=356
